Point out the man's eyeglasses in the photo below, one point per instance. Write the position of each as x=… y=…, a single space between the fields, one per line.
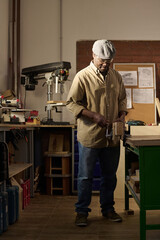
x=108 y=61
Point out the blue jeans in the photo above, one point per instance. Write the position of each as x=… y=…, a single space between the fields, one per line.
x=109 y=159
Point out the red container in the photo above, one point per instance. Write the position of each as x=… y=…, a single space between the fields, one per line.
x=26 y=193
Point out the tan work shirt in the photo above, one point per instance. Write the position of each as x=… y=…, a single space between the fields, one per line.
x=91 y=91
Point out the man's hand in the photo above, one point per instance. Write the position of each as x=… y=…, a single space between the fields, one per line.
x=121 y=117
x=95 y=117
x=100 y=120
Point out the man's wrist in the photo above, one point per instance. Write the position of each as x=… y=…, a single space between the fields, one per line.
x=122 y=114
x=88 y=114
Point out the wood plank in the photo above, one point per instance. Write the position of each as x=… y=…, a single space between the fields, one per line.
x=158 y=105
x=134 y=180
x=144 y=130
x=57 y=126
x=58 y=154
x=144 y=140
x=56 y=142
x=57 y=175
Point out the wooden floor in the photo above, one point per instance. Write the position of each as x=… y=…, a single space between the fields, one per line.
x=52 y=217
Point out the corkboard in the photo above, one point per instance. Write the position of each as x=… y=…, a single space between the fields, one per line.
x=140 y=111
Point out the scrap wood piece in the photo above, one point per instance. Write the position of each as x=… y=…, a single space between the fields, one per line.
x=135 y=180
x=157 y=105
x=56 y=143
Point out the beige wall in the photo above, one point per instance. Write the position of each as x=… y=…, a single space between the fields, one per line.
x=40 y=44
x=4 y=8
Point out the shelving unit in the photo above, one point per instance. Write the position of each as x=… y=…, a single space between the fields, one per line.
x=56 y=147
x=22 y=163
x=147 y=149
x=58 y=173
x=25 y=154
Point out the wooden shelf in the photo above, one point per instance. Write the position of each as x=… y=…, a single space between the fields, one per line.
x=56 y=168
x=58 y=154
x=55 y=188
x=16 y=168
x=57 y=126
x=57 y=175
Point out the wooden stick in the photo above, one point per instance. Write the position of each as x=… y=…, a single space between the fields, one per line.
x=157 y=105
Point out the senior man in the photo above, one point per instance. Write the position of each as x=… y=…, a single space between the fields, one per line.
x=97 y=98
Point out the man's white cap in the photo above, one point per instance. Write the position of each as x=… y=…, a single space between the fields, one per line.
x=104 y=49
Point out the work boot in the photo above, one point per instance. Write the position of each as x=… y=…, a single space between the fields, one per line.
x=113 y=216
x=81 y=220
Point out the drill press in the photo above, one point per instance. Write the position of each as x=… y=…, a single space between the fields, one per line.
x=55 y=73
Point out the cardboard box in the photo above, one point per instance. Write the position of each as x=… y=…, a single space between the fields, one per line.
x=15 y=183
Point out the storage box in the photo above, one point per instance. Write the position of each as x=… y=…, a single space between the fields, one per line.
x=4 y=212
x=1 y=216
x=15 y=183
x=12 y=204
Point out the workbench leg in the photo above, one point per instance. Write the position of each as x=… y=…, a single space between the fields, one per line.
x=142 y=224
x=126 y=198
